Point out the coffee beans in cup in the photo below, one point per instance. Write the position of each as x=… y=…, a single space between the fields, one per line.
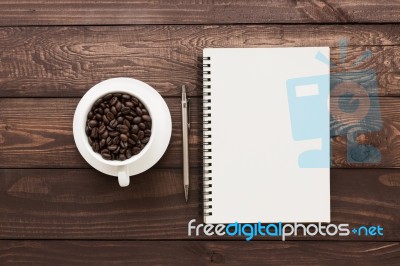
x=118 y=126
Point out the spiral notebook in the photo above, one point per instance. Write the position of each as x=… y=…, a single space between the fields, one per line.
x=266 y=135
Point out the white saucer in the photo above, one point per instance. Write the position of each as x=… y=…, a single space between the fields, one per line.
x=161 y=126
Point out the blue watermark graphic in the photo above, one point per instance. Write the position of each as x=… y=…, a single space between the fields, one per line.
x=354 y=109
x=308 y=113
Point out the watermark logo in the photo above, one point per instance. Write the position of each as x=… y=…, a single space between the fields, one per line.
x=249 y=231
x=354 y=109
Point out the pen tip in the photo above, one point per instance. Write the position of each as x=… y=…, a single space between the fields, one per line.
x=186 y=193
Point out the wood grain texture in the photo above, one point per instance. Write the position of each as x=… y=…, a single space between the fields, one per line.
x=67 y=61
x=40 y=131
x=114 y=12
x=85 y=204
x=69 y=213
x=197 y=253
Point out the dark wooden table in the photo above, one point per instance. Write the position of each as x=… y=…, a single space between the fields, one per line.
x=56 y=209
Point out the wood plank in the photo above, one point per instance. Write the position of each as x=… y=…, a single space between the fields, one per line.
x=85 y=204
x=40 y=131
x=114 y=12
x=67 y=61
x=197 y=253
x=51 y=145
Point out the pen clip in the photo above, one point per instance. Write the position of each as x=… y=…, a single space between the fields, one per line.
x=188 y=113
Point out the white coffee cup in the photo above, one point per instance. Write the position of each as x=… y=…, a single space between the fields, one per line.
x=159 y=139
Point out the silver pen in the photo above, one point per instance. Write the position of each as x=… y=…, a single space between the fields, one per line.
x=185 y=135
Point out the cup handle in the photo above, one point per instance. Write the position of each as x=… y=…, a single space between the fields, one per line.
x=123 y=176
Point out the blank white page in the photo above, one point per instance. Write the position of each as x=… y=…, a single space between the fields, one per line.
x=258 y=96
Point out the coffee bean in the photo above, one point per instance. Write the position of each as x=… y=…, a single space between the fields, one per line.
x=104 y=135
x=119 y=125
x=138 y=111
x=118 y=106
x=146 y=118
x=135 y=150
x=102 y=128
x=114 y=110
x=135 y=129
x=125 y=110
x=94 y=133
x=123 y=144
x=110 y=116
x=124 y=137
x=93 y=123
x=106 y=156
x=135 y=101
x=113 y=133
x=105 y=120
x=99 y=111
x=126 y=123
x=114 y=100
x=117 y=150
x=129 y=104
x=116 y=140
x=140 y=135
x=113 y=123
x=96 y=146
x=129 y=117
x=108 y=97
x=112 y=147
x=123 y=129
x=98 y=102
x=135 y=137
x=142 y=126
x=102 y=143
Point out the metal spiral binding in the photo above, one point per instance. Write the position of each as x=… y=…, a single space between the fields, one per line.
x=207 y=149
